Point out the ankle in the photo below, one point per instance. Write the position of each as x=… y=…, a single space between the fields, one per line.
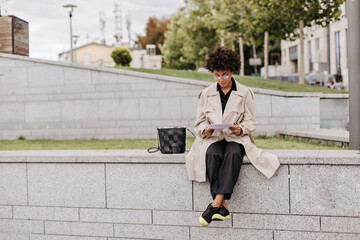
x=217 y=205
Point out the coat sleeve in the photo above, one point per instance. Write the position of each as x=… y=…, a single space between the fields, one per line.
x=248 y=123
x=201 y=122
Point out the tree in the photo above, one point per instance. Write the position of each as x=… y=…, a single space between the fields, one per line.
x=240 y=20
x=269 y=18
x=190 y=36
x=155 y=30
x=220 y=10
x=172 y=48
x=303 y=13
x=121 y=57
x=201 y=34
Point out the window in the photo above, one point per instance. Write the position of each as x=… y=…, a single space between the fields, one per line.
x=87 y=59
x=317 y=42
x=338 y=53
x=310 y=57
x=293 y=53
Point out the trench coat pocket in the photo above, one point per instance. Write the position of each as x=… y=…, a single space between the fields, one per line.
x=191 y=159
x=211 y=114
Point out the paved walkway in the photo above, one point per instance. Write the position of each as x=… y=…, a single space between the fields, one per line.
x=339 y=137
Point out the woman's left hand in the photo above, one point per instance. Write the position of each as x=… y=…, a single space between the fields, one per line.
x=236 y=129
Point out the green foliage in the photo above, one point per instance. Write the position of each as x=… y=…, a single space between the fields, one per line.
x=321 y=12
x=238 y=16
x=195 y=29
x=172 y=49
x=190 y=36
x=121 y=57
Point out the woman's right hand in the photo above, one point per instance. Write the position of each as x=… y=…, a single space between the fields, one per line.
x=208 y=132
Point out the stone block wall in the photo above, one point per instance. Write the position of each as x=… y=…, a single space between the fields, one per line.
x=51 y=100
x=334 y=111
x=116 y=194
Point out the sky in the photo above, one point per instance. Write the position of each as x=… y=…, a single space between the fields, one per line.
x=49 y=22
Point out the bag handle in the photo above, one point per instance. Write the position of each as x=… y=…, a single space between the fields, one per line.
x=153 y=149
x=156 y=149
x=191 y=132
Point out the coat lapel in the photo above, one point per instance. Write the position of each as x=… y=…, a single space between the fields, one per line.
x=233 y=101
x=215 y=102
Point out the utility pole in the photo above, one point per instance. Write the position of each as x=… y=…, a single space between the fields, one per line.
x=353 y=17
x=118 y=24
x=102 y=19
x=128 y=27
x=70 y=8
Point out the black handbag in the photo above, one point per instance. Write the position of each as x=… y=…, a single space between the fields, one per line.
x=171 y=140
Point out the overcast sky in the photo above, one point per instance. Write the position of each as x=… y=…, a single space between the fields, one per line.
x=49 y=30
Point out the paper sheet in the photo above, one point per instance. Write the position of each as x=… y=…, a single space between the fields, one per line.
x=219 y=127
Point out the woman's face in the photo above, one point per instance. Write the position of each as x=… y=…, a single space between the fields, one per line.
x=223 y=77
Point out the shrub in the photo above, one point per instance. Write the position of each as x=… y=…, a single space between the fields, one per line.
x=121 y=57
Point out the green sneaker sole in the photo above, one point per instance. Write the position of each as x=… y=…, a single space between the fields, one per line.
x=203 y=222
x=218 y=217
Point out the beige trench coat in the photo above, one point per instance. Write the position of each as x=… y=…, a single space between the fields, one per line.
x=239 y=109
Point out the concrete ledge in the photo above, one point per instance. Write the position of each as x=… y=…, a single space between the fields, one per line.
x=113 y=194
x=334 y=137
x=293 y=157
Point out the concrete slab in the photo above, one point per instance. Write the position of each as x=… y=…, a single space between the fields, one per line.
x=66 y=185
x=147 y=188
x=13 y=184
x=325 y=190
x=283 y=235
x=321 y=133
x=200 y=233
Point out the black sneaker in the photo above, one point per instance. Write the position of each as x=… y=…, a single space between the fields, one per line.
x=222 y=214
x=206 y=218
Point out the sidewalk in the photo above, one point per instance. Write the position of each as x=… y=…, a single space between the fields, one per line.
x=322 y=135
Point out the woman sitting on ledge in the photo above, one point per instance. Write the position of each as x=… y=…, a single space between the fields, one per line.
x=218 y=155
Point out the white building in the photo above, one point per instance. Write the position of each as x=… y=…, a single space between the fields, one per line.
x=142 y=58
x=325 y=50
x=95 y=54
x=91 y=54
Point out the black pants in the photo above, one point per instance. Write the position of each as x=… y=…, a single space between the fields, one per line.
x=223 y=163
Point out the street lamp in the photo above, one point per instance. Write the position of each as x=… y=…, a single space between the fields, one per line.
x=75 y=38
x=70 y=8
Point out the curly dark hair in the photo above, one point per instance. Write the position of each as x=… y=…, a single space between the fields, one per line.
x=222 y=58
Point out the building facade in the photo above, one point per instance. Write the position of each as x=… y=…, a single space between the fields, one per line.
x=95 y=54
x=91 y=54
x=325 y=50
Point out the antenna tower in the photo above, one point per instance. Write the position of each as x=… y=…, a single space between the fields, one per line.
x=118 y=24
x=102 y=19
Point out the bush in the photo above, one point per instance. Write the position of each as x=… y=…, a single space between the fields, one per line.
x=121 y=57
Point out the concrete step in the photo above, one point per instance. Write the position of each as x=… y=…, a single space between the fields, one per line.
x=131 y=194
x=322 y=135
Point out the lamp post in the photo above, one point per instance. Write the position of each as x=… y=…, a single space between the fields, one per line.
x=353 y=8
x=75 y=37
x=70 y=8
